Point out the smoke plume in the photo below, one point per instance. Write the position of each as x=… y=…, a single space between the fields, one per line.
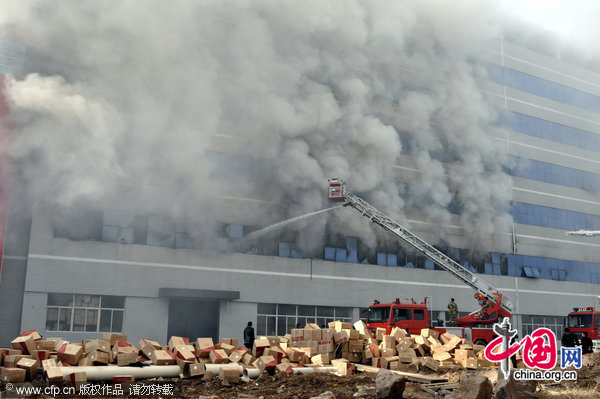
x=133 y=104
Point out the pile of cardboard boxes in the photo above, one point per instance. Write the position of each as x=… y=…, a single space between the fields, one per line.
x=340 y=346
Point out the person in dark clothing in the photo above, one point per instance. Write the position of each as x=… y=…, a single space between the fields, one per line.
x=298 y=325
x=569 y=340
x=249 y=336
x=513 y=358
x=587 y=346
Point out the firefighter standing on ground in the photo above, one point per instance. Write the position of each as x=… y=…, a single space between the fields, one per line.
x=453 y=311
x=569 y=340
x=587 y=346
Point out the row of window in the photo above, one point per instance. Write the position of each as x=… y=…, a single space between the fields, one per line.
x=89 y=313
x=554 y=218
x=548 y=130
x=555 y=174
x=279 y=319
x=530 y=323
x=544 y=88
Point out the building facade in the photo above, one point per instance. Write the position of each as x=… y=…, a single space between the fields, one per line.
x=135 y=273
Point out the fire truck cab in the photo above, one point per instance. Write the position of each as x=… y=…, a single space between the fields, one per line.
x=585 y=319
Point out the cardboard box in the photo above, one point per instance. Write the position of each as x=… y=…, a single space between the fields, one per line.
x=235 y=357
x=45 y=345
x=10 y=361
x=33 y=333
x=297 y=334
x=297 y=356
x=266 y=363
x=371 y=351
x=98 y=357
x=379 y=333
x=162 y=357
x=143 y=342
x=352 y=356
x=76 y=379
x=24 y=343
x=428 y=332
x=407 y=356
x=227 y=348
x=469 y=363
x=325 y=346
x=114 y=338
x=12 y=374
x=70 y=353
x=230 y=375
x=184 y=353
x=97 y=345
x=321 y=359
x=284 y=368
x=310 y=352
x=54 y=375
x=175 y=341
x=218 y=356
x=277 y=353
x=404 y=345
x=386 y=361
x=259 y=347
x=462 y=354
x=126 y=358
x=230 y=341
x=430 y=363
x=398 y=333
x=355 y=346
x=40 y=355
x=344 y=367
x=339 y=325
x=340 y=337
x=441 y=356
x=248 y=359
x=48 y=363
x=388 y=342
x=29 y=365
x=148 y=349
x=196 y=369
x=203 y=347
x=484 y=363
x=312 y=335
x=388 y=352
x=84 y=362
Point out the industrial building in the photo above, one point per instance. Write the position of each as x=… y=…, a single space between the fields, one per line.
x=135 y=273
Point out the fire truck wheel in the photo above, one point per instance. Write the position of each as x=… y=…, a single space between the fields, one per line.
x=480 y=342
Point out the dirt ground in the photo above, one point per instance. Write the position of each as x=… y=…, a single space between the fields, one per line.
x=363 y=386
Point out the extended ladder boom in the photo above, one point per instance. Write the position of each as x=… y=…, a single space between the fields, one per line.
x=438 y=257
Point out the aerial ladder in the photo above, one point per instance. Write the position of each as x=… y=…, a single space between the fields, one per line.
x=494 y=304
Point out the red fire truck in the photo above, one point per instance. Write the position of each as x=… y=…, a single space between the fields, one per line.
x=585 y=319
x=412 y=316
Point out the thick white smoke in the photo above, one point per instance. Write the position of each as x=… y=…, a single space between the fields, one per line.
x=132 y=94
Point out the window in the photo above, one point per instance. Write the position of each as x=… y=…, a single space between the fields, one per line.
x=530 y=323
x=279 y=319
x=583 y=320
x=87 y=313
x=550 y=130
x=401 y=314
x=379 y=314
x=419 y=314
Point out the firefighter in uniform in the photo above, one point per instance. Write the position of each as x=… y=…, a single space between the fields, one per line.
x=453 y=311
